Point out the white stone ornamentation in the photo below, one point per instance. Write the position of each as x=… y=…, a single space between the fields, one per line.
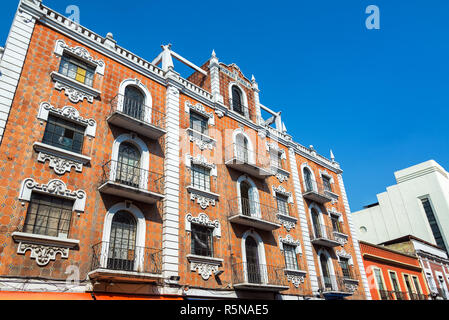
x=281 y=177
x=73 y=94
x=203 y=219
x=202 y=144
x=296 y=279
x=43 y=253
x=53 y=187
x=342 y=253
x=58 y=164
x=289 y=240
x=219 y=113
x=81 y=53
x=286 y=222
x=204 y=269
x=202 y=200
x=199 y=108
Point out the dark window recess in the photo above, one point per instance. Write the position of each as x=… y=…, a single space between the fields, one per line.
x=198 y=123
x=291 y=261
x=77 y=70
x=433 y=223
x=64 y=134
x=237 y=104
x=344 y=264
x=282 y=202
x=48 y=216
x=202 y=241
x=336 y=225
x=200 y=177
x=327 y=184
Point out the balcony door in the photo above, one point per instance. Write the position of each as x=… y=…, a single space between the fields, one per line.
x=134 y=103
x=325 y=272
x=237 y=100
x=248 y=199
x=316 y=223
x=128 y=167
x=308 y=179
x=252 y=261
x=241 y=147
x=122 y=243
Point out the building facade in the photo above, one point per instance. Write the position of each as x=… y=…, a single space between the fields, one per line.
x=121 y=178
x=433 y=260
x=418 y=205
x=393 y=275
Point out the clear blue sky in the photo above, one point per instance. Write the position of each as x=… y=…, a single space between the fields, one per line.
x=378 y=98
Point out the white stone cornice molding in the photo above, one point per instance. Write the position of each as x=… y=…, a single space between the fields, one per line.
x=281 y=177
x=205 y=266
x=199 y=108
x=54 y=187
x=203 y=220
x=74 y=90
x=341 y=238
x=202 y=200
x=41 y=253
x=262 y=133
x=296 y=277
x=289 y=240
x=67 y=112
x=288 y=222
x=219 y=113
x=342 y=253
x=282 y=191
x=43 y=248
x=58 y=164
x=201 y=160
x=81 y=53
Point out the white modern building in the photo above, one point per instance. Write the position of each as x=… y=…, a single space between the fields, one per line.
x=417 y=205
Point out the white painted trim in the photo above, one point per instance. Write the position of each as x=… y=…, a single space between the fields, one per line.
x=144 y=156
x=314 y=184
x=261 y=254
x=253 y=191
x=140 y=232
x=239 y=132
x=243 y=95
x=80 y=53
x=147 y=94
x=330 y=266
x=320 y=217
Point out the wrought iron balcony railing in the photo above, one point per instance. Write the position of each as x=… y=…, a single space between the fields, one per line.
x=241 y=158
x=253 y=213
x=126 y=179
x=386 y=295
x=324 y=235
x=238 y=107
x=134 y=115
x=418 y=296
x=114 y=256
x=336 y=285
x=315 y=190
x=253 y=274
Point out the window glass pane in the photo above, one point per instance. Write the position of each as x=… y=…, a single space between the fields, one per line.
x=64 y=134
x=77 y=70
x=198 y=123
x=291 y=261
x=282 y=202
x=200 y=177
x=201 y=240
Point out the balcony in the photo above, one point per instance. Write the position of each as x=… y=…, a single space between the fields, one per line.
x=247 y=276
x=418 y=296
x=134 y=116
x=244 y=160
x=336 y=287
x=123 y=180
x=392 y=295
x=238 y=107
x=111 y=262
x=253 y=214
x=316 y=192
x=325 y=236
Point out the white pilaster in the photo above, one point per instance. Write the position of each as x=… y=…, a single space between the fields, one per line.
x=308 y=250
x=170 y=229
x=214 y=70
x=13 y=59
x=256 y=90
x=355 y=242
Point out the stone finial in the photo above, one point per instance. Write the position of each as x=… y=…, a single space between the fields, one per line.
x=253 y=79
x=332 y=156
x=213 y=54
x=110 y=35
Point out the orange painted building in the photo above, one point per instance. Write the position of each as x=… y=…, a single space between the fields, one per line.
x=120 y=177
x=393 y=275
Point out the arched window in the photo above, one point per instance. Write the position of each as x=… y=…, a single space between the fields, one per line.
x=326 y=274
x=128 y=167
x=249 y=198
x=308 y=179
x=242 y=151
x=122 y=243
x=134 y=102
x=237 y=104
x=252 y=261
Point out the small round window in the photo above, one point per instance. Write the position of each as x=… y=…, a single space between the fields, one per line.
x=363 y=229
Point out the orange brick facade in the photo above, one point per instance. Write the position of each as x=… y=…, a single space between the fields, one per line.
x=382 y=265
x=166 y=229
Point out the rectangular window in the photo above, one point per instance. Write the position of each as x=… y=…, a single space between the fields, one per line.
x=48 y=216
x=202 y=241
x=77 y=70
x=291 y=261
x=433 y=223
x=408 y=284
x=282 y=202
x=275 y=158
x=380 y=285
x=200 y=177
x=344 y=264
x=64 y=134
x=416 y=283
x=336 y=225
x=396 y=287
x=198 y=123
x=327 y=183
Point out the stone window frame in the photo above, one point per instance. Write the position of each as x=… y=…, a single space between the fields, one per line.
x=61 y=160
x=74 y=90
